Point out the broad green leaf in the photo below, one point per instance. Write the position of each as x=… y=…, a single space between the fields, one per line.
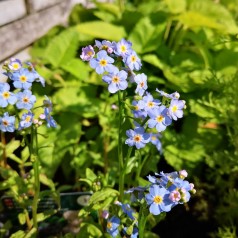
x=90 y=174
x=77 y=68
x=62 y=48
x=217 y=13
x=90 y=230
x=22 y=218
x=12 y=146
x=193 y=19
x=153 y=60
x=176 y=6
x=103 y=30
x=109 y=7
x=100 y=196
x=147 y=35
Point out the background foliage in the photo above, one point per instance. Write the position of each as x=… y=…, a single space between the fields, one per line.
x=189 y=46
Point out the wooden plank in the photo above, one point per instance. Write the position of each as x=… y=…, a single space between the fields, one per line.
x=36 y=5
x=22 y=33
x=11 y=11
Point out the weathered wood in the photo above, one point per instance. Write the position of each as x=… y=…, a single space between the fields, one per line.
x=22 y=33
x=11 y=11
x=36 y=5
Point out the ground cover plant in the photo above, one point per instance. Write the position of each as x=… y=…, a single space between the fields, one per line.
x=185 y=47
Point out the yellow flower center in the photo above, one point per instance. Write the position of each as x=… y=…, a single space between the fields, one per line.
x=23 y=78
x=142 y=84
x=153 y=138
x=15 y=66
x=5 y=123
x=137 y=138
x=109 y=225
x=123 y=48
x=28 y=118
x=158 y=199
x=133 y=58
x=150 y=104
x=25 y=99
x=6 y=95
x=115 y=79
x=159 y=118
x=103 y=62
x=174 y=108
x=90 y=53
x=136 y=108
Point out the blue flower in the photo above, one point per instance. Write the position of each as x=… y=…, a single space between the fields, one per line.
x=116 y=80
x=174 y=95
x=48 y=105
x=25 y=100
x=112 y=226
x=176 y=108
x=154 y=139
x=134 y=234
x=26 y=120
x=133 y=61
x=102 y=63
x=22 y=78
x=159 y=118
x=105 y=45
x=158 y=200
x=141 y=80
x=148 y=103
x=87 y=53
x=126 y=208
x=7 y=123
x=137 y=137
x=14 y=64
x=50 y=122
x=138 y=112
x=122 y=48
x=35 y=75
x=6 y=97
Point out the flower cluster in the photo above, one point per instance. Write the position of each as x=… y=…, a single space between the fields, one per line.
x=16 y=96
x=117 y=63
x=165 y=191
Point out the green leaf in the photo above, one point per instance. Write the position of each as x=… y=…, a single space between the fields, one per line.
x=62 y=48
x=100 y=196
x=77 y=68
x=22 y=218
x=12 y=146
x=103 y=30
x=90 y=230
x=131 y=164
x=176 y=6
x=147 y=35
x=90 y=174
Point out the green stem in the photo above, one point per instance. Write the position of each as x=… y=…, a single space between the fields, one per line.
x=120 y=155
x=34 y=158
x=142 y=221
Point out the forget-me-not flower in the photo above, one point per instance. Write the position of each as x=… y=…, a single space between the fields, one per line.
x=133 y=61
x=137 y=137
x=103 y=63
x=176 y=108
x=141 y=80
x=26 y=120
x=25 y=100
x=6 y=97
x=7 y=123
x=22 y=78
x=122 y=48
x=112 y=226
x=14 y=64
x=158 y=200
x=87 y=53
x=116 y=80
x=159 y=118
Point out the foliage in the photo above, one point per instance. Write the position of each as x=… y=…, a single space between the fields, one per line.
x=191 y=47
